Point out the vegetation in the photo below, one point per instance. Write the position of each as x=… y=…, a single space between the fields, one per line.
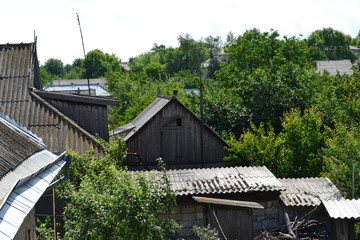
x=260 y=90
x=104 y=201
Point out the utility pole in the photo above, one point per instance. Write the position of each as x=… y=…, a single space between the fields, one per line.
x=82 y=40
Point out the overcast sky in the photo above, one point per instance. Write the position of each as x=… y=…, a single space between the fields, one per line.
x=129 y=28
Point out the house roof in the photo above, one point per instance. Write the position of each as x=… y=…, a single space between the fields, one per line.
x=19 y=74
x=67 y=82
x=343 y=208
x=83 y=89
x=27 y=169
x=128 y=130
x=221 y=180
x=335 y=66
x=308 y=191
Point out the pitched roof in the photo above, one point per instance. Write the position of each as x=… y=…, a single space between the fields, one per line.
x=343 y=208
x=308 y=191
x=19 y=74
x=335 y=66
x=27 y=170
x=221 y=180
x=128 y=130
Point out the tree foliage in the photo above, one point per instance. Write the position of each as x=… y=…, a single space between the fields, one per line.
x=330 y=44
x=97 y=63
x=104 y=201
x=294 y=152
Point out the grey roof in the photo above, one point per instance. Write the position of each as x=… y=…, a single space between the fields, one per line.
x=308 y=191
x=344 y=208
x=335 y=66
x=95 y=89
x=67 y=82
x=222 y=180
x=24 y=197
x=19 y=74
x=145 y=116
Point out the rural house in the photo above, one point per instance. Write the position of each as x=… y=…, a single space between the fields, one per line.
x=26 y=172
x=168 y=129
x=21 y=101
x=79 y=86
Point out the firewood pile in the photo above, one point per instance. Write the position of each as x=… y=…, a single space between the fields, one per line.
x=302 y=229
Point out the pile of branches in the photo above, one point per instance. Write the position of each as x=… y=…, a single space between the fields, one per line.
x=302 y=229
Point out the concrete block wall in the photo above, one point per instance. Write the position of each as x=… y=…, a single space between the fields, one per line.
x=187 y=216
x=267 y=218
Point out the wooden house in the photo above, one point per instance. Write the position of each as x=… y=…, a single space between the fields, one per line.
x=26 y=172
x=168 y=129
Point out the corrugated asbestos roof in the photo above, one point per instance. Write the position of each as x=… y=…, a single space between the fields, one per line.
x=344 y=208
x=308 y=191
x=18 y=75
x=222 y=180
x=335 y=66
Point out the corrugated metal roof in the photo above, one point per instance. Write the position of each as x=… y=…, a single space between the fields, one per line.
x=23 y=198
x=18 y=73
x=222 y=180
x=344 y=208
x=308 y=191
x=335 y=66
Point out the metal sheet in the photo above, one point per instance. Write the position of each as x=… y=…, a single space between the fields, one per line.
x=227 y=202
x=23 y=199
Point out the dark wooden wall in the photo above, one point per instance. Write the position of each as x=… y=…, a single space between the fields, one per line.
x=91 y=117
x=175 y=135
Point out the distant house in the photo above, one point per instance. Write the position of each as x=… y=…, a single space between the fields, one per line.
x=21 y=101
x=79 y=86
x=26 y=172
x=334 y=67
x=168 y=129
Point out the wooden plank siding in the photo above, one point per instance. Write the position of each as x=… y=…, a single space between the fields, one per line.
x=175 y=135
x=91 y=117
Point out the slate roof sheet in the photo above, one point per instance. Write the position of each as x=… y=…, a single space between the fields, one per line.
x=335 y=66
x=222 y=180
x=18 y=76
x=308 y=191
x=343 y=208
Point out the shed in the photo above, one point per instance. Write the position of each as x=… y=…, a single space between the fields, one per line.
x=168 y=129
x=26 y=172
x=304 y=194
x=89 y=112
x=238 y=201
x=19 y=76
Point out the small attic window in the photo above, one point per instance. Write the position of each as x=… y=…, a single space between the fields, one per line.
x=172 y=122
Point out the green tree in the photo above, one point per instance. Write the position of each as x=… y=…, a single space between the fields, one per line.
x=331 y=44
x=294 y=152
x=342 y=158
x=55 y=67
x=266 y=76
x=97 y=63
x=76 y=70
x=104 y=201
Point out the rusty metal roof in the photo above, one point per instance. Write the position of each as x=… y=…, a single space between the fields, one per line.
x=19 y=74
x=308 y=191
x=344 y=208
x=222 y=180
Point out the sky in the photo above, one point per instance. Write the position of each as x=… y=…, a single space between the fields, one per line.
x=130 y=28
